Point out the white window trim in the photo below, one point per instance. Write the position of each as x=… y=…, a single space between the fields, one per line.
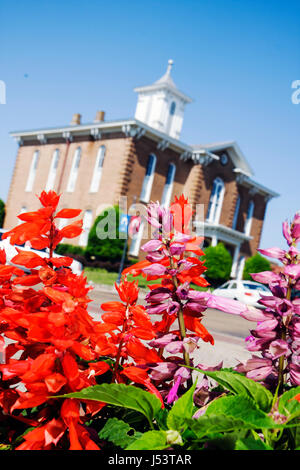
x=168 y=188
x=148 y=180
x=97 y=174
x=236 y=212
x=249 y=219
x=216 y=203
x=32 y=171
x=74 y=171
x=53 y=170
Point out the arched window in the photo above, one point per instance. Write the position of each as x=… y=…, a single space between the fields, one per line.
x=216 y=201
x=148 y=179
x=74 y=170
x=236 y=212
x=167 y=193
x=172 y=108
x=248 y=222
x=32 y=171
x=97 y=170
x=86 y=227
x=53 y=170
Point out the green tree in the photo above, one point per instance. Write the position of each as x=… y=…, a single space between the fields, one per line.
x=218 y=261
x=2 y=213
x=104 y=243
x=255 y=264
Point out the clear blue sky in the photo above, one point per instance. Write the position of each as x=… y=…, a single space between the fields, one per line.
x=236 y=59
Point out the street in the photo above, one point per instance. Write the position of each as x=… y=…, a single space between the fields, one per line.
x=229 y=331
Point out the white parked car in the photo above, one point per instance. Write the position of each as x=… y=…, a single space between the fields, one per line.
x=248 y=292
x=11 y=251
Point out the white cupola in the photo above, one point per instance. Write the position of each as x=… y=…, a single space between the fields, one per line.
x=161 y=105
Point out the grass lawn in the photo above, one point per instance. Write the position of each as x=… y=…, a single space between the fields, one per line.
x=101 y=276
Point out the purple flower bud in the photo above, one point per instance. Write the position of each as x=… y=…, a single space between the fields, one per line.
x=259 y=374
x=279 y=348
x=158 y=295
x=156 y=309
x=183 y=290
x=256 y=344
x=152 y=245
x=181 y=237
x=266 y=277
x=176 y=249
x=293 y=271
x=294 y=374
x=174 y=347
x=190 y=344
x=226 y=305
x=155 y=256
x=163 y=371
x=163 y=340
x=195 y=307
x=155 y=269
x=287 y=232
x=274 y=252
x=255 y=315
x=172 y=395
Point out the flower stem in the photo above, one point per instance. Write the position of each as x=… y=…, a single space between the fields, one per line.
x=181 y=323
x=281 y=364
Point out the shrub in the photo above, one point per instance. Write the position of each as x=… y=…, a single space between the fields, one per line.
x=67 y=249
x=218 y=262
x=255 y=264
x=109 y=248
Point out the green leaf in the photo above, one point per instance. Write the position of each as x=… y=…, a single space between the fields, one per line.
x=151 y=440
x=287 y=405
x=116 y=431
x=239 y=384
x=182 y=409
x=214 y=423
x=250 y=443
x=125 y=396
x=241 y=408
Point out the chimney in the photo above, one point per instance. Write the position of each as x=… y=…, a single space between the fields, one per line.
x=99 y=116
x=76 y=119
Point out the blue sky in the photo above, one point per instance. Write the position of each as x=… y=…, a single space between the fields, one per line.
x=236 y=59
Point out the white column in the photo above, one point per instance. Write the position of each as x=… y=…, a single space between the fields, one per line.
x=214 y=240
x=235 y=261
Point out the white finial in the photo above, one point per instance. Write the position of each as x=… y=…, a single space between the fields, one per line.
x=170 y=63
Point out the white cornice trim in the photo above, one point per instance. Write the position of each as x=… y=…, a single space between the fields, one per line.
x=222 y=232
x=243 y=179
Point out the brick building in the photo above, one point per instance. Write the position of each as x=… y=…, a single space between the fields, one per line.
x=142 y=158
